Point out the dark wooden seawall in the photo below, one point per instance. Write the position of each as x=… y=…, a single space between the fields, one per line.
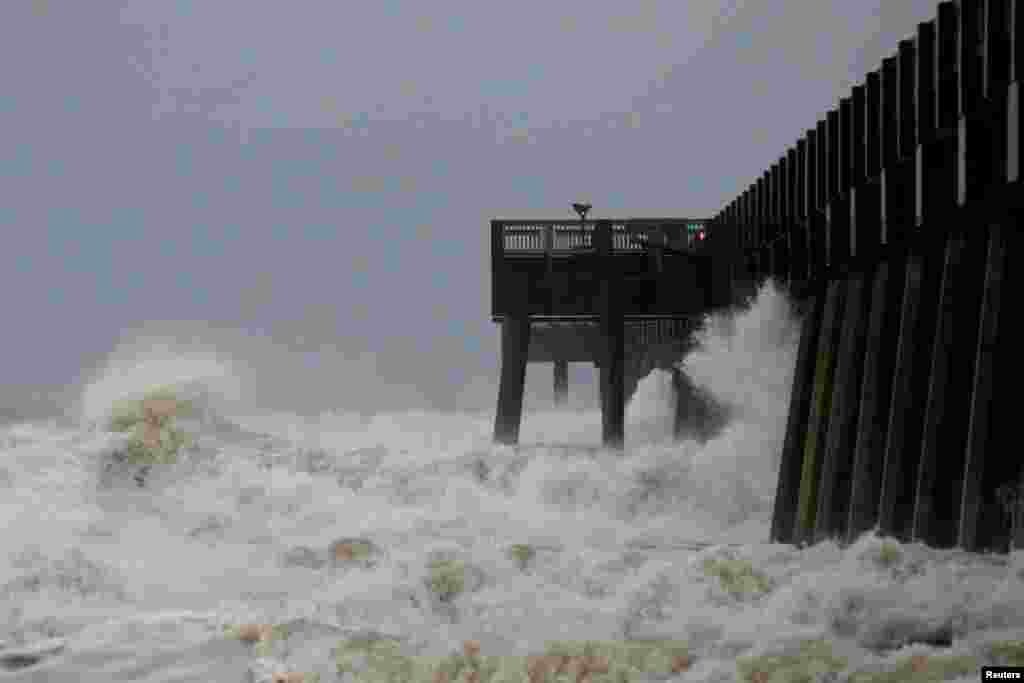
x=895 y=222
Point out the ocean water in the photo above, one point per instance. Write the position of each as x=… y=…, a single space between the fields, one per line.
x=107 y=579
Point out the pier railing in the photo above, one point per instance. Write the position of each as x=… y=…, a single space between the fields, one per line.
x=551 y=269
x=537 y=237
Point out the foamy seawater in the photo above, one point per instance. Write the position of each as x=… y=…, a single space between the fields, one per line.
x=105 y=579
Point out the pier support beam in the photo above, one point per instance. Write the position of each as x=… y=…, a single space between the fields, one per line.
x=817 y=427
x=613 y=343
x=875 y=395
x=561 y=377
x=947 y=411
x=784 y=513
x=837 y=463
x=688 y=417
x=909 y=384
x=978 y=436
x=698 y=415
x=515 y=346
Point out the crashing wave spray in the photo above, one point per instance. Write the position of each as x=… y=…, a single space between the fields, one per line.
x=204 y=378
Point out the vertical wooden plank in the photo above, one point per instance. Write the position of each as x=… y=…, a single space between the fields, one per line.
x=1015 y=11
x=761 y=259
x=837 y=463
x=974 y=138
x=755 y=243
x=741 y=253
x=970 y=55
x=810 y=189
x=997 y=41
x=791 y=222
x=906 y=104
x=869 y=193
x=749 y=253
x=875 y=395
x=948 y=406
x=946 y=93
x=936 y=399
x=1014 y=140
x=857 y=177
x=832 y=159
x=899 y=183
x=873 y=124
x=978 y=441
x=889 y=123
x=910 y=381
x=821 y=199
x=817 y=427
x=733 y=251
x=924 y=100
x=772 y=183
x=924 y=83
x=937 y=186
x=785 y=224
x=996 y=78
x=858 y=151
x=838 y=214
x=907 y=135
x=889 y=147
x=800 y=212
x=788 y=486
x=846 y=144
x=760 y=212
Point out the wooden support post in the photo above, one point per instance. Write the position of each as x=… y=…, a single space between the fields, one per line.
x=978 y=439
x=947 y=410
x=875 y=393
x=903 y=434
x=515 y=346
x=613 y=337
x=691 y=414
x=788 y=488
x=837 y=464
x=561 y=377
x=817 y=427
x=685 y=417
x=812 y=221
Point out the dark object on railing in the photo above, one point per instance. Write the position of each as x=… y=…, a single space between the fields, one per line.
x=582 y=210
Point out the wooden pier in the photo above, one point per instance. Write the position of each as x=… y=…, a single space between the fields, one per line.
x=894 y=222
x=624 y=295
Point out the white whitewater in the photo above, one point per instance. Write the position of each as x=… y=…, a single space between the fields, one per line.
x=104 y=580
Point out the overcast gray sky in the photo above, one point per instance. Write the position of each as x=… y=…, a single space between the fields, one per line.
x=319 y=174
